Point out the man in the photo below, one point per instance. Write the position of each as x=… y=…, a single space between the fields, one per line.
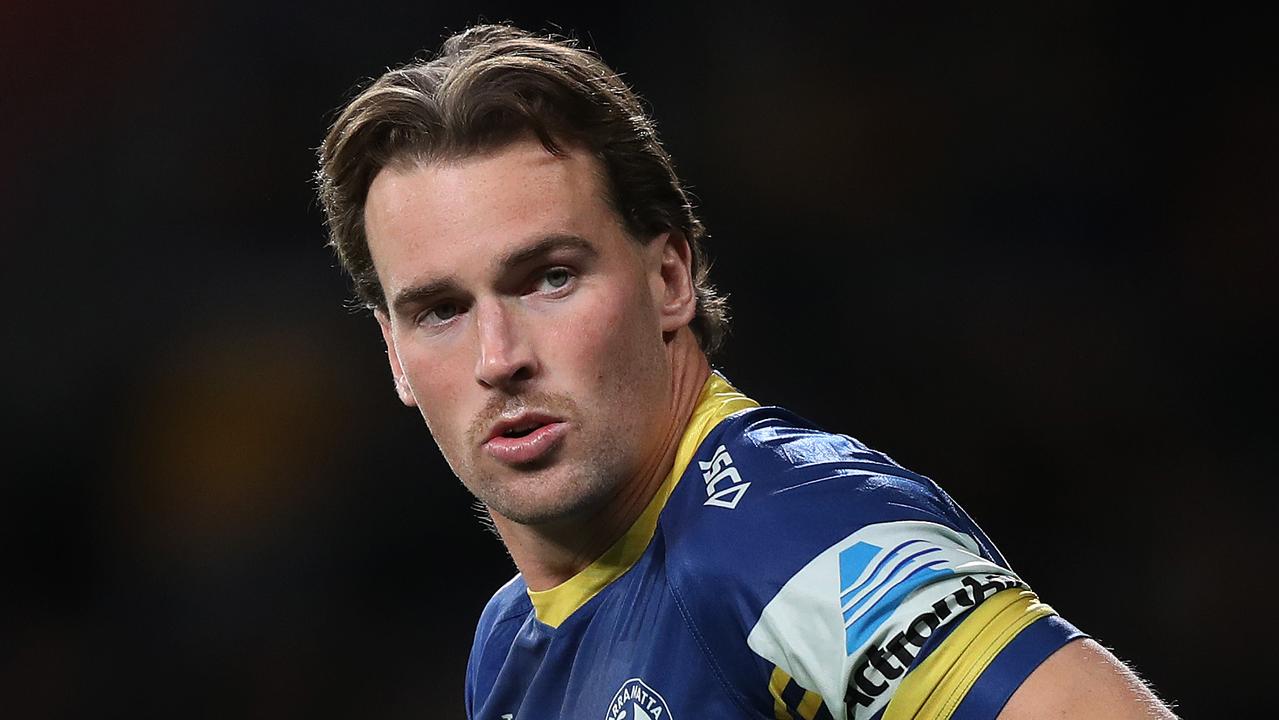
x=508 y=214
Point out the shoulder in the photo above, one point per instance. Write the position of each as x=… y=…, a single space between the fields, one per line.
x=509 y=605
x=501 y=619
x=815 y=549
x=769 y=485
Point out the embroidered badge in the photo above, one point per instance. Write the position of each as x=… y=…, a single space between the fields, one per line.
x=637 y=701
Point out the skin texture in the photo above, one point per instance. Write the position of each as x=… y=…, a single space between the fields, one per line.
x=1083 y=680
x=513 y=289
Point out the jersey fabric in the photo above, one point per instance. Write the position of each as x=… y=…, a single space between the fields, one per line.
x=780 y=572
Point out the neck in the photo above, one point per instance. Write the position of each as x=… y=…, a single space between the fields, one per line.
x=547 y=555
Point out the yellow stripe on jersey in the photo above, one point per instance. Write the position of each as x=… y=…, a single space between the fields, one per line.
x=776 y=684
x=933 y=690
x=717 y=401
x=809 y=704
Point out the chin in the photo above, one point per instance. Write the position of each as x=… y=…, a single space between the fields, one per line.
x=544 y=501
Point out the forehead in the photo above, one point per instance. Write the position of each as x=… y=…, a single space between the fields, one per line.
x=449 y=216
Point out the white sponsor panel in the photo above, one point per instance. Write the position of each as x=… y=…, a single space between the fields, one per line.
x=848 y=623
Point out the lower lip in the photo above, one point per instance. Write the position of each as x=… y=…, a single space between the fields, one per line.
x=530 y=448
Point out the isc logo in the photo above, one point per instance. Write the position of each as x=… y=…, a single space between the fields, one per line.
x=724 y=486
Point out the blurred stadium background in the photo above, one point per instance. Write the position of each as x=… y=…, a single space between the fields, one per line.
x=1029 y=251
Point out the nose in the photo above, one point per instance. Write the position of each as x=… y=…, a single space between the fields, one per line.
x=506 y=356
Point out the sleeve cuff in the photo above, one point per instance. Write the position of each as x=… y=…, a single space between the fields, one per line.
x=978 y=666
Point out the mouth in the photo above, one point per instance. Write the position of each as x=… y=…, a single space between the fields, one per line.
x=521 y=426
x=525 y=439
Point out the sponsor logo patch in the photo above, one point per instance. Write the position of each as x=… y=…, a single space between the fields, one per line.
x=724 y=486
x=873 y=600
x=872 y=583
x=890 y=659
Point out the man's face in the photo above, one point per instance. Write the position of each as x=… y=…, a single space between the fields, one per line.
x=525 y=324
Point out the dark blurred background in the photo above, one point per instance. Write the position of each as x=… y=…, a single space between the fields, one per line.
x=1028 y=251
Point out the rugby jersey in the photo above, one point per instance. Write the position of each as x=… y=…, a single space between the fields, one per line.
x=779 y=572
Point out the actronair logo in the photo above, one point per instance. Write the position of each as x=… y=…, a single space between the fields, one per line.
x=890 y=660
x=867 y=595
x=724 y=486
x=867 y=599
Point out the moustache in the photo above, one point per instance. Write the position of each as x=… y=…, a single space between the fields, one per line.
x=503 y=408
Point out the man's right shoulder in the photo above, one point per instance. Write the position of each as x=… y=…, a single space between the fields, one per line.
x=502 y=618
x=510 y=602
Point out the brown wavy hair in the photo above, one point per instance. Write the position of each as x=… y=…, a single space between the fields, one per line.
x=488 y=86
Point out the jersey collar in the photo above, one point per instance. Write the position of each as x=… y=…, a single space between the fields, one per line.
x=717 y=401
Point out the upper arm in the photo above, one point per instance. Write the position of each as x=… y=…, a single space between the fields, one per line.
x=1083 y=680
x=868 y=595
x=905 y=619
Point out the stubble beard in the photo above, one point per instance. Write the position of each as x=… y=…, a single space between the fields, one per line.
x=556 y=494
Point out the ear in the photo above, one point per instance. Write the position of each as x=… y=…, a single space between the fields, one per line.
x=674 y=293
x=402 y=388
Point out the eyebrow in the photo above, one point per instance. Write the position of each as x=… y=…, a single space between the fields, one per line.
x=546 y=246
x=416 y=294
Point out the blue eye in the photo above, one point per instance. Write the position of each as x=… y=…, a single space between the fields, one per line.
x=557 y=277
x=439 y=314
x=554 y=279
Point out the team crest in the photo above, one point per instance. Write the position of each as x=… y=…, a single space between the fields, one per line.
x=637 y=701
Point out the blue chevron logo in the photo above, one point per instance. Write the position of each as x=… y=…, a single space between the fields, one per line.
x=868 y=598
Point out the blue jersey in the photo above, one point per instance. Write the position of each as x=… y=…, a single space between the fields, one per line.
x=779 y=572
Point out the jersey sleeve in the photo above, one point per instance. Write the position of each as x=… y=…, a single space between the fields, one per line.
x=863 y=591
x=922 y=627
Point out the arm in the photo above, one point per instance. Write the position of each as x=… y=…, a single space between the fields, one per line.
x=1083 y=680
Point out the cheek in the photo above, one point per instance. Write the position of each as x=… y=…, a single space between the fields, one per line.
x=437 y=388
x=609 y=335
x=619 y=352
